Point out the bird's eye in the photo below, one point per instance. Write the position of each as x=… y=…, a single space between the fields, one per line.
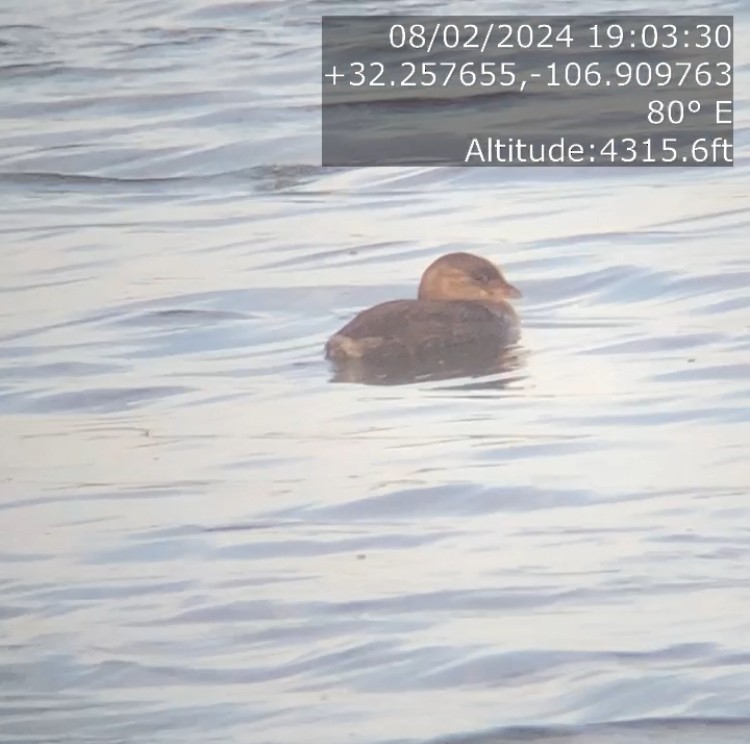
x=480 y=276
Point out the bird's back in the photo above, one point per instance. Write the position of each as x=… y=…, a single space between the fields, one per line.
x=423 y=329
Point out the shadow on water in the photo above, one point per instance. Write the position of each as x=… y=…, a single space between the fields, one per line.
x=479 y=363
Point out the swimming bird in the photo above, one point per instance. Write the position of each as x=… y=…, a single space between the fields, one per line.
x=461 y=313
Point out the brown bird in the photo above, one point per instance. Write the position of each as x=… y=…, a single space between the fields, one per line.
x=461 y=311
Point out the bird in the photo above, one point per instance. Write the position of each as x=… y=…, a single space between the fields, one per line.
x=461 y=312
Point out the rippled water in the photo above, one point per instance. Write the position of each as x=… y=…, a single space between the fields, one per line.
x=204 y=540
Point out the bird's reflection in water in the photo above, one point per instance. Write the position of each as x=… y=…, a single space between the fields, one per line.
x=478 y=363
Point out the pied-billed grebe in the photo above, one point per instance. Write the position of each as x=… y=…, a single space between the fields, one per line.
x=461 y=308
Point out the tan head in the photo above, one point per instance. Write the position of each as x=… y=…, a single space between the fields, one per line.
x=464 y=276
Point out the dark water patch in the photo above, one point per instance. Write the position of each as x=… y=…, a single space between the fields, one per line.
x=237 y=611
x=452 y=601
x=514 y=667
x=706 y=372
x=269 y=524
x=388 y=609
x=276 y=538
x=107 y=722
x=721 y=307
x=69 y=598
x=268 y=550
x=117 y=492
x=180 y=317
x=266 y=307
x=715 y=217
x=267 y=459
x=301 y=633
x=53 y=370
x=649 y=416
x=357 y=255
x=234 y=12
x=657 y=344
x=81 y=183
x=634 y=238
x=457 y=499
x=615 y=284
x=92 y=399
x=710 y=283
x=153 y=551
x=6 y=557
x=29 y=71
x=280 y=177
x=677 y=730
x=11 y=612
x=195 y=39
x=198 y=340
x=9 y=290
x=558 y=447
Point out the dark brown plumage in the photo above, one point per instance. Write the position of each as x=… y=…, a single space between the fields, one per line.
x=461 y=311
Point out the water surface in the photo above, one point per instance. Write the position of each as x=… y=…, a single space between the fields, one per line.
x=205 y=540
